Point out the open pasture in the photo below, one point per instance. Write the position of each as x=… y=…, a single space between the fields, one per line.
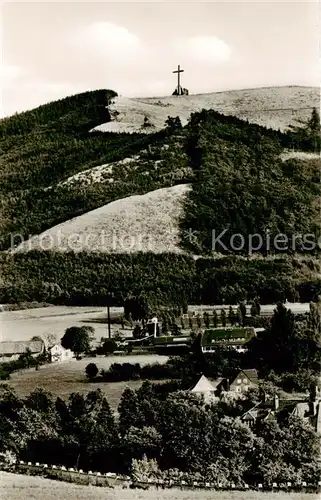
x=24 y=324
x=61 y=379
x=16 y=487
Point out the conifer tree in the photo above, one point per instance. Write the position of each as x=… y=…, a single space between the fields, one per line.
x=223 y=318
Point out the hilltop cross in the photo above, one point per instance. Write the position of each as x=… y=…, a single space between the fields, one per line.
x=179 y=88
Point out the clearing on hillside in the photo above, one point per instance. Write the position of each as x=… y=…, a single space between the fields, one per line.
x=140 y=223
x=273 y=107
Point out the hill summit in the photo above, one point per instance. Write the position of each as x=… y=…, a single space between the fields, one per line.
x=273 y=107
x=225 y=162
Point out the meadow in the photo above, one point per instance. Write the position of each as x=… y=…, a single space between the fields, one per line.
x=26 y=323
x=16 y=487
x=61 y=379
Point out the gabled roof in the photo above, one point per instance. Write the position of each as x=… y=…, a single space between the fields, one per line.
x=252 y=413
x=19 y=347
x=203 y=385
x=257 y=412
x=250 y=374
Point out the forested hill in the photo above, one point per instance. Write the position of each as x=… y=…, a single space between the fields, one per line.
x=53 y=169
x=44 y=150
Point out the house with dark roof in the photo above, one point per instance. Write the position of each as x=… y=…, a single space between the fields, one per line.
x=309 y=411
x=11 y=350
x=244 y=380
x=237 y=338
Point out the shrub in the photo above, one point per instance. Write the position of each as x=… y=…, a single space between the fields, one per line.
x=91 y=371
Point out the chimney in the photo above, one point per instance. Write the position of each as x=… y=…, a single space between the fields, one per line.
x=312 y=408
x=313 y=393
x=276 y=402
x=262 y=395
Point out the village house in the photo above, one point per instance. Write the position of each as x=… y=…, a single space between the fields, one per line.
x=244 y=380
x=59 y=353
x=11 y=350
x=261 y=412
x=309 y=411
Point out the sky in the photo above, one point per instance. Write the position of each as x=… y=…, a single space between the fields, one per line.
x=53 y=49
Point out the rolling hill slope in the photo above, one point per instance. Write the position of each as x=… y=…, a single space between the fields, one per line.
x=53 y=168
x=275 y=107
x=125 y=201
x=139 y=223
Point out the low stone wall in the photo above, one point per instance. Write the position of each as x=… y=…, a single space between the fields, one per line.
x=110 y=480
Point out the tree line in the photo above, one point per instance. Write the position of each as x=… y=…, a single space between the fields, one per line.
x=153 y=280
x=176 y=430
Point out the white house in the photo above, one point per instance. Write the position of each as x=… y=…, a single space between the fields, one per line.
x=59 y=353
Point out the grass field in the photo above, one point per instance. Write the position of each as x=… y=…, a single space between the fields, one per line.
x=17 y=487
x=26 y=323
x=139 y=223
x=61 y=379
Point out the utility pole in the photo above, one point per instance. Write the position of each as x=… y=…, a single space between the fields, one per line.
x=109 y=297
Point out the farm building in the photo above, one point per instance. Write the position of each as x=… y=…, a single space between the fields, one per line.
x=227 y=337
x=11 y=350
x=59 y=353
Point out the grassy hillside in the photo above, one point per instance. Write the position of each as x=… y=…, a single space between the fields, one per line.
x=275 y=107
x=138 y=223
x=43 y=148
x=53 y=170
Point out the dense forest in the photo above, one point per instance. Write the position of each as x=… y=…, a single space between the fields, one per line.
x=243 y=187
x=239 y=183
x=162 y=279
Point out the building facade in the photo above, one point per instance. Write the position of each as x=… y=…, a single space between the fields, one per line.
x=59 y=353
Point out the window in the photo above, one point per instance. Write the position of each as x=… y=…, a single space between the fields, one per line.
x=245 y=381
x=239 y=381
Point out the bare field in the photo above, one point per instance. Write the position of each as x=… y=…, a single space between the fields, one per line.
x=17 y=487
x=61 y=379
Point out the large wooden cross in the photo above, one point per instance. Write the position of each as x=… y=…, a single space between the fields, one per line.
x=178 y=71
